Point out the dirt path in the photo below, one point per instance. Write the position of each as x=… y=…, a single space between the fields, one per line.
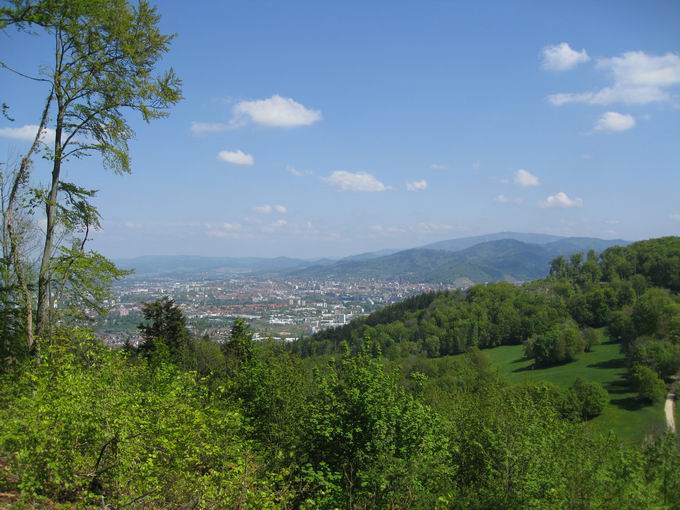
x=669 y=408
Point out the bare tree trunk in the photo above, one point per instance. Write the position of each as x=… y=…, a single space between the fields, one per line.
x=20 y=178
x=43 y=311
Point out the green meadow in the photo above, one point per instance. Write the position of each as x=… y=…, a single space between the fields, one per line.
x=606 y=365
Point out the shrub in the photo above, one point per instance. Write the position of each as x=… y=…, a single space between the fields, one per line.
x=559 y=344
x=86 y=424
x=647 y=384
x=585 y=400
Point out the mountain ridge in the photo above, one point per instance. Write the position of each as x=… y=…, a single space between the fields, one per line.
x=490 y=257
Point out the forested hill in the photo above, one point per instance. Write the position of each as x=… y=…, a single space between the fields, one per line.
x=504 y=259
x=631 y=291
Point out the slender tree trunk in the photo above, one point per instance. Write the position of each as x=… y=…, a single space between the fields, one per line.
x=20 y=178
x=43 y=311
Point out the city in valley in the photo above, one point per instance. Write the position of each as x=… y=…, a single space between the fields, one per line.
x=280 y=308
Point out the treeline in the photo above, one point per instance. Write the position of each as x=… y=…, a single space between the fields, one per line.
x=86 y=426
x=616 y=290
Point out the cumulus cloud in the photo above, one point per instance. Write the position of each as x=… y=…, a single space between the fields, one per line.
x=355 y=181
x=438 y=166
x=236 y=158
x=268 y=209
x=561 y=57
x=502 y=199
x=417 y=185
x=613 y=122
x=27 y=133
x=203 y=128
x=525 y=178
x=561 y=200
x=275 y=111
x=637 y=78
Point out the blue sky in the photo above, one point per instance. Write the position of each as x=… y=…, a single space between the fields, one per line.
x=329 y=128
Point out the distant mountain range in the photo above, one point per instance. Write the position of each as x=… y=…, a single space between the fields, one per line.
x=487 y=261
x=503 y=256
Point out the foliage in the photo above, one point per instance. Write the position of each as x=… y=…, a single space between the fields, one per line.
x=105 y=57
x=369 y=444
x=585 y=400
x=89 y=425
x=560 y=344
x=648 y=385
x=166 y=327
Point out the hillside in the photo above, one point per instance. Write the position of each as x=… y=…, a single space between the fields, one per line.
x=489 y=261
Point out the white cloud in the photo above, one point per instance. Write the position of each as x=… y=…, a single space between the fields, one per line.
x=525 y=178
x=27 y=133
x=268 y=209
x=675 y=217
x=236 y=158
x=417 y=185
x=276 y=111
x=263 y=209
x=438 y=166
x=561 y=200
x=297 y=173
x=502 y=199
x=612 y=122
x=637 y=78
x=202 y=128
x=561 y=57
x=351 y=181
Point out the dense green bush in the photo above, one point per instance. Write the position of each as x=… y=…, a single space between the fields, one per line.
x=560 y=344
x=86 y=424
x=647 y=384
x=585 y=400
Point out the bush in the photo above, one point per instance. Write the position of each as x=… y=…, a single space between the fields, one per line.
x=592 y=337
x=86 y=424
x=647 y=384
x=585 y=400
x=559 y=344
x=661 y=356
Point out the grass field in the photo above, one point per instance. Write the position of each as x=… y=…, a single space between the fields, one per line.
x=624 y=415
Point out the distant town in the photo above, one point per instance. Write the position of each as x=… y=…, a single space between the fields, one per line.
x=279 y=308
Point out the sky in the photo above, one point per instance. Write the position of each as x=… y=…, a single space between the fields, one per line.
x=324 y=129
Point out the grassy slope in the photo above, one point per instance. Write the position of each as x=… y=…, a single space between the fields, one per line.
x=630 y=421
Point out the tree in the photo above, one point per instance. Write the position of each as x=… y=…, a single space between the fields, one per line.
x=369 y=443
x=560 y=344
x=592 y=338
x=105 y=56
x=167 y=325
x=239 y=348
x=586 y=400
x=661 y=356
x=647 y=384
